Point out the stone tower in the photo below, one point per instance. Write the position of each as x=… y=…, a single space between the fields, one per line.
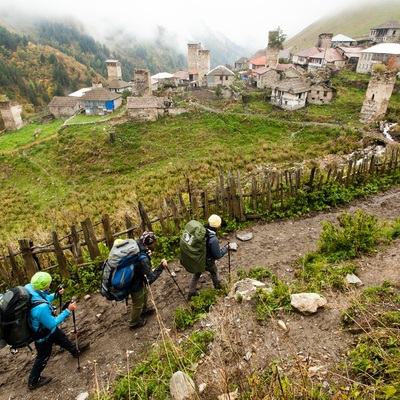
x=272 y=52
x=114 y=70
x=379 y=91
x=11 y=115
x=198 y=62
x=142 y=83
x=325 y=40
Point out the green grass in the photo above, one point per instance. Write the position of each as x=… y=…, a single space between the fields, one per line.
x=79 y=173
x=15 y=139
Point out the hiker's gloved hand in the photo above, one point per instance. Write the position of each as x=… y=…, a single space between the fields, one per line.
x=164 y=263
x=71 y=305
x=59 y=291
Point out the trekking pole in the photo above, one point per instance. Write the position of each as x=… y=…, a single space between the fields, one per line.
x=76 y=335
x=176 y=283
x=229 y=259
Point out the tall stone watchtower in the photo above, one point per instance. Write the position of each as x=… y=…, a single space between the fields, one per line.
x=272 y=52
x=325 y=40
x=114 y=70
x=198 y=62
x=379 y=91
x=11 y=115
x=142 y=83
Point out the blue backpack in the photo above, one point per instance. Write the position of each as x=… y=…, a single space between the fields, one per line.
x=119 y=270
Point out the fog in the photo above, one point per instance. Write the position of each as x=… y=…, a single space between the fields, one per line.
x=246 y=24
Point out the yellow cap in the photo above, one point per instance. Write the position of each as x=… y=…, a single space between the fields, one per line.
x=214 y=221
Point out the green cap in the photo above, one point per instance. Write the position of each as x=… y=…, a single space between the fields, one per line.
x=41 y=280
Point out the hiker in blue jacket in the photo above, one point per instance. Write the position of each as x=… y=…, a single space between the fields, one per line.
x=45 y=324
x=143 y=278
x=213 y=252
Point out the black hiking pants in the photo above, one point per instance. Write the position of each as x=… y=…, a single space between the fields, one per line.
x=213 y=270
x=44 y=352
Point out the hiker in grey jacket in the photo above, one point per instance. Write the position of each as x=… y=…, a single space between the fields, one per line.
x=143 y=278
x=213 y=252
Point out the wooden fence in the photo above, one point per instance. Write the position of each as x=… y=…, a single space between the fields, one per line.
x=232 y=198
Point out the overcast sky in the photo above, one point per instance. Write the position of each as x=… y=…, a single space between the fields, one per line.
x=243 y=22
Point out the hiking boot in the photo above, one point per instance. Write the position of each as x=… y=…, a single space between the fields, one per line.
x=81 y=349
x=142 y=322
x=149 y=311
x=192 y=294
x=43 y=380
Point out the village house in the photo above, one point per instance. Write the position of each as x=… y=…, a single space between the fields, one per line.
x=257 y=62
x=100 y=101
x=266 y=77
x=328 y=56
x=146 y=108
x=290 y=93
x=242 y=64
x=388 y=32
x=65 y=106
x=220 y=76
x=378 y=54
x=320 y=93
x=342 y=40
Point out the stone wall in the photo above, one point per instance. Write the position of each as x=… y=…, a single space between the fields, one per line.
x=141 y=83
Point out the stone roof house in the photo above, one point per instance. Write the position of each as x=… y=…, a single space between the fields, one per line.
x=220 y=76
x=100 y=101
x=145 y=108
x=378 y=54
x=118 y=86
x=242 y=64
x=388 y=32
x=64 y=106
x=266 y=77
x=290 y=93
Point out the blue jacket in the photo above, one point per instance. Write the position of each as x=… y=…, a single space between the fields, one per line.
x=214 y=252
x=42 y=315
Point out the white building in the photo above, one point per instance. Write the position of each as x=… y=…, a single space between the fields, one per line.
x=378 y=54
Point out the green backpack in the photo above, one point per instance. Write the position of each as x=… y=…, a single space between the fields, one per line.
x=193 y=246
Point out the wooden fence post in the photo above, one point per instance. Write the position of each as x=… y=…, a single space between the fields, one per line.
x=21 y=278
x=145 y=220
x=105 y=221
x=184 y=210
x=61 y=260
x=129 y=226
x=75 y=246
x=30 y=263
x=175 y=214
x=90 y=239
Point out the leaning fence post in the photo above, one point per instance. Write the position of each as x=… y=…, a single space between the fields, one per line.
x=90 y=238
x=105 y=221
x=30 y=263
x=62 y=261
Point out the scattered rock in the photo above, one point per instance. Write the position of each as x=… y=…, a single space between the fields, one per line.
x=307 y=303
x=244 y=236
x=182 y=386
x=353 y=280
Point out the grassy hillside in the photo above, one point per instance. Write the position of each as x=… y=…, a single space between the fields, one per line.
x=78 y=173
x=355 y=22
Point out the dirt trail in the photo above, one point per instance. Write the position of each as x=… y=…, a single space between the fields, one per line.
x=276 y=246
